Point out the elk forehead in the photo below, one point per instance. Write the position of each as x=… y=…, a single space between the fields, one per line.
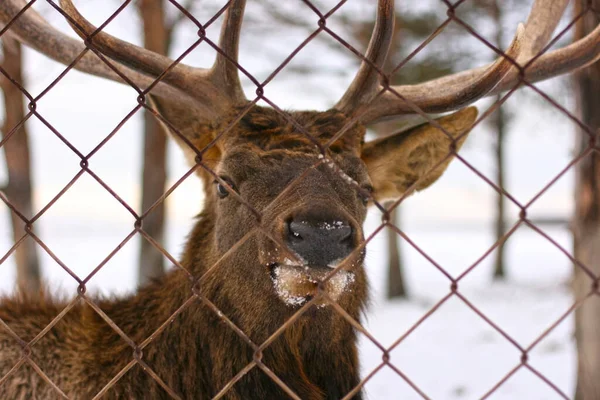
x=265 y=152
x=305 y=177
x=267 y=130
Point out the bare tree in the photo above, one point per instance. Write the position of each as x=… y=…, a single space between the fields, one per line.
x=586 y=221
x=154 y=176
x=413 y=29
x=499 y=127
x=158 y=36
x=18 y=189
x=499 y=121
x=396 y=284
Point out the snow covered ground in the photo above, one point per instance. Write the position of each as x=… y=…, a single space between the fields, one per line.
x=454 y=353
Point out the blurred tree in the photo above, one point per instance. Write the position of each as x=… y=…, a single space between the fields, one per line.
x=498 y=124
x=18 y=189
x=157 y=36
x=412 y=30
x=154 y=170
x=586 y=220
x=499 y=120
x=396 y=285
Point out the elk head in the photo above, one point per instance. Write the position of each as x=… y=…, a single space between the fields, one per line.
x=296 y=185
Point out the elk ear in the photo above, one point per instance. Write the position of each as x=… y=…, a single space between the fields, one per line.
x=183 y=115
x=398 y=161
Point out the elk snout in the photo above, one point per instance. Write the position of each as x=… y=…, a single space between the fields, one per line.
x=320 y=243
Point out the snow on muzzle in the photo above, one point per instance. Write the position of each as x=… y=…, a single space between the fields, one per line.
x=314 y=248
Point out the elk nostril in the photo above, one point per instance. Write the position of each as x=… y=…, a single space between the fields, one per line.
x=319 y=242
x=346 y=234
x=297 y=231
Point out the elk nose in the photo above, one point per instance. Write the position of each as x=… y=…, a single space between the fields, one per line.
x=320 y=243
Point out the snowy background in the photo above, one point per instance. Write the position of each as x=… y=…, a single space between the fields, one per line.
x=454 y=353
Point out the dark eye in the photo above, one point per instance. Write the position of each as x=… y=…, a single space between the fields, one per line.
x=365 y=194
x=222 y=190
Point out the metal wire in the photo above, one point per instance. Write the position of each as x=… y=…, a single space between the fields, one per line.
x=195 y=294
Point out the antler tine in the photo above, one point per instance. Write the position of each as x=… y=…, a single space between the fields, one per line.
x=32 y=29
x=210 y=92
x=366 y=82
x=215 y=90
x=135 y=57
x=224 y=73
x=577 y=55
x=447 y=93
x=463 y=88
x=541 y=23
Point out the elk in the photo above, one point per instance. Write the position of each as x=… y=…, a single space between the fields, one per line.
x=271 y=284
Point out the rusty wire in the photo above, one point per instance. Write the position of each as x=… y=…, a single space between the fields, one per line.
x=195 y=294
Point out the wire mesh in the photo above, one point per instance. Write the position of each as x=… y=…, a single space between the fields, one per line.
x=138 y=348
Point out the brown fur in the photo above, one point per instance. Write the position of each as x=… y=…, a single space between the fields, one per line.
x=277 y=171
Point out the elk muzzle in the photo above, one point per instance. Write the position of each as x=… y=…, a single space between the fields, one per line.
x=320 y=243
x=319 y=258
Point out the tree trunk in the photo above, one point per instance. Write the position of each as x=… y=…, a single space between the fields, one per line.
x=395 y=284
x=396 y=287
x=586 y=221
x=500 y=128
x=156 y=38
x=16 y=151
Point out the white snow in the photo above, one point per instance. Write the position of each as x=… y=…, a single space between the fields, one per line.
x=287 y=276
x=339 y=283
x=282 y=278
x=333 y=225
x=454 y=353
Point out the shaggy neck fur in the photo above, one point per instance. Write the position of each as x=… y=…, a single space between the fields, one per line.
x=196 y=354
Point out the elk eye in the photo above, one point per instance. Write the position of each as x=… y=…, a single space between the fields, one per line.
x=365 y=194
x=222 y=190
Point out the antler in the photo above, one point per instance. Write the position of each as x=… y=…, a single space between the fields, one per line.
x=214 y=91
x=30 y=28
x=463 y=88
x=366 y=82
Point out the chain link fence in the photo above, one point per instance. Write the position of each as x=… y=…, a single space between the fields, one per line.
x=140 y=348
